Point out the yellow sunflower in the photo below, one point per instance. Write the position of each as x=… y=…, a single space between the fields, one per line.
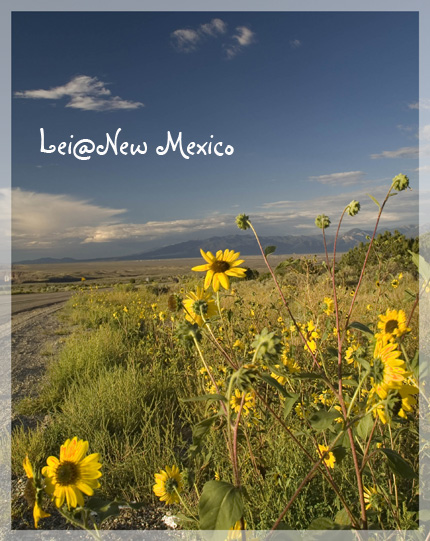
x=392 y=325
x=372 y=498
x=71 y=475
x=329 y=457
x=407 y=393
x=387 y=371
x=236 y=400
x=220 y=267
x=328 y=306
x=166 y=482
x=234 y=531
x=33 y=495
x=198 y=303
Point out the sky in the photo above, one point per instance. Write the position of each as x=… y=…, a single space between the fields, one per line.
x=320 y=108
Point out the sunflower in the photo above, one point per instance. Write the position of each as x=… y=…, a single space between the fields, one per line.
x=394 y=283
x=71 y=475
x=329 y=457
x=199 y=303
x=33 y=493
x=220 y=267
x=408 y=400
x=236 y=401
x=387 y=371
x=328 y=306
x=372 y=498
x=234 y=531
x=168 y=485
x=392 y=325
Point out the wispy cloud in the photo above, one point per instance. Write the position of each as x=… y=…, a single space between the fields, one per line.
x=84 y=93
x=345 y=179
x=422 y=104
x=295 y=43
x=404 y=152
x=187 y=39
x=243 y=38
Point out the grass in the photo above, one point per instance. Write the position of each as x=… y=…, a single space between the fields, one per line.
x=122 y=374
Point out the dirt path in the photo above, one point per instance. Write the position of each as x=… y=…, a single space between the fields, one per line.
x=34 y=341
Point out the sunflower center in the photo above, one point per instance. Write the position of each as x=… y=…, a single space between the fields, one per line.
x=67 y=473
x=378 y=371
x=391 y=326
x=170 y=485
x=220 y=266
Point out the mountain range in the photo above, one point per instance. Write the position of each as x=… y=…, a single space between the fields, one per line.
x=243 y=243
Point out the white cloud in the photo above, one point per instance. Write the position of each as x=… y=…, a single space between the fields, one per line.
x=85 y=93
x=346 y=179
x=243 y=38
x=186 y=39
x=48 y=218
x=295 y=43
x=404 y=152
x=422 y=104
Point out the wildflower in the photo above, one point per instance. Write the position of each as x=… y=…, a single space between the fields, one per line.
x=83 y=279
x=372 y=498
x=162 y=316
x=369 y=307
x=400 y=183
x=408 y=400
x=400 y=276
x=322 y=221
x=387 y=371
x=220 y=267
x=394 y=283
x=350 y=352
x=242 y=221
x=353 y=208
x=125 y=309
x=239 y=345
x=329 y=458
x=168 y=485
x=378 y=283
x=71 y=475
x=199 y=304
x=236 y=401
x=154 y=306
x=33 y=493
x=233 y=532
x=392 y=325
x=328 y=306
x=217 y=476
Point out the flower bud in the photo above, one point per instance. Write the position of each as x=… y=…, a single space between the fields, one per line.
x=353 y=208
x=322 y=221
x=242 y=221
x=400 y=183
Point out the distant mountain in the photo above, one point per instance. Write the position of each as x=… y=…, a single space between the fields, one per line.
x=245 y=244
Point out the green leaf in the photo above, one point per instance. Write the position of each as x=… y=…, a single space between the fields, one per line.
x=398 y=465
x=274 y=383
x=360 y=327
x=364 y=427
x=183 y=518
x=199 y=432
x=289 y=403
x=104 y=508
x=269 y=250
x=374 y=200
x=204 y=398
x=365 y=364
x=220 y=506
x=320 y=420
x=321 y=523
x=339 y=453
x=342 y=518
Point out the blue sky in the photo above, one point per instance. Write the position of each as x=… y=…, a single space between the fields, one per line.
x=319 y=107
